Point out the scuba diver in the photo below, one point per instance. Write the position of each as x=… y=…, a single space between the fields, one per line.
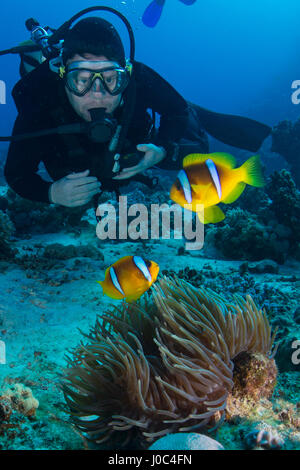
x=97 y=120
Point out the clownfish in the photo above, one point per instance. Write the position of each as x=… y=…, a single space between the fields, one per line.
x=209 y=179
x=129 y=277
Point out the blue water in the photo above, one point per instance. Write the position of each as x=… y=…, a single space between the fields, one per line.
x=229 y=56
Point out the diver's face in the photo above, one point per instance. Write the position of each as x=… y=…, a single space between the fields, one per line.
x=97 y=96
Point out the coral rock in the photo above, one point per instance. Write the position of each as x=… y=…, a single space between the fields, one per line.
x=263 y=438
x=186 y=441
x=264 y=266
x=21 y=399
x=5 y=409
x=254 y=376
x=64 y=252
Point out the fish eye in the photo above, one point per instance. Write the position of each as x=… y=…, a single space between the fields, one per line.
x=148 y=263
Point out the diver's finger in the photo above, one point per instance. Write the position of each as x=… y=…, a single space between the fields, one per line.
x=90 y=194
x=129 y=172
x=124 y=175
x=138 y=167
x=84 y=181
x=87 y=187
x=86 y=191
x=79 y=202
x=85 y=194
x=143 y=147
x=78 y=175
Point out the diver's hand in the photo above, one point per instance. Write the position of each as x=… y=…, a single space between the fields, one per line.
x=153 y=155
x=74 y=190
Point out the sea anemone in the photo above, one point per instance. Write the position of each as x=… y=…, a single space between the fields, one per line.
x=162 y=365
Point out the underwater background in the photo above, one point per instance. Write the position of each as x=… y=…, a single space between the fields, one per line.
x=231 y=57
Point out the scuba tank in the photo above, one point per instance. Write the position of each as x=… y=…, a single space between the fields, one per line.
x=39 y=37
x=30 y=60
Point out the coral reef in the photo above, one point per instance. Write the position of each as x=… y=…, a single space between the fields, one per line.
x=5 y=409
x=286 y=142
x=64 y=252
x=297 y=315
x=20 y=399
x=6 y=230
x=47 y=257
x=36 y=217
x=254 y=376
x=22 y=427
x=31 y=217
x=288 y=358
x=17 y=405
x=242 y=236
x=286 y=209
x=261 y=267
x=262 y=438
x=3 y=153
x=265 y=224
x=166 y=364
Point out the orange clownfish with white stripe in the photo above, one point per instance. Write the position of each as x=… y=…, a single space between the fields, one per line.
x=129 y=277
x=209 y=179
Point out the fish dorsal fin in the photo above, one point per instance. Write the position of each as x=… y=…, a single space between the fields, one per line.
x=219 y=158
x=194 y=159
x=211 y=215
x=235 y=193
x=106 y=274
x=224 y=159
x=201 y=189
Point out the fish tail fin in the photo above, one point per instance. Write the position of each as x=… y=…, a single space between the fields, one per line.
x=252 y=172
x=211 y=215
x=152 y=13
x=188 y=2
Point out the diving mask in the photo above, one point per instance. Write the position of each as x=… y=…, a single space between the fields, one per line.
x=80 y=76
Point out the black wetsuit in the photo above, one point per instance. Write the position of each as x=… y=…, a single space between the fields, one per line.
x=43 y=104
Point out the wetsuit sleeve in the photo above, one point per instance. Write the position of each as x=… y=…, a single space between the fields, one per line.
x=22 y=163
